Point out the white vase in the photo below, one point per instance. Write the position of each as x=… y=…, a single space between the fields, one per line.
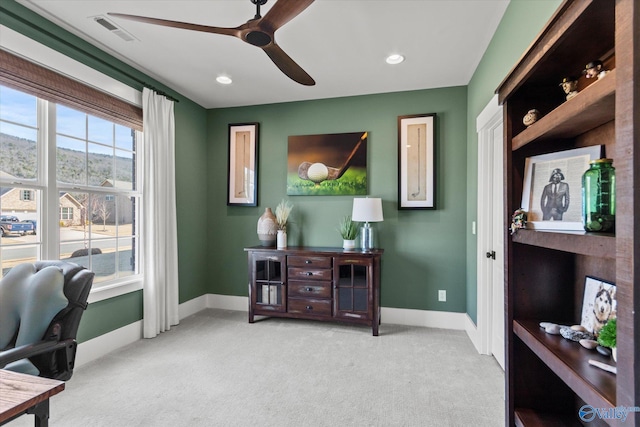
x=281 y=239
x=348 y=244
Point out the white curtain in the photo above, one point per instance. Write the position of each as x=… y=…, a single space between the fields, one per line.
x=160 y=254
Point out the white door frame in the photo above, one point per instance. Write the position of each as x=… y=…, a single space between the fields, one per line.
x=486 y=123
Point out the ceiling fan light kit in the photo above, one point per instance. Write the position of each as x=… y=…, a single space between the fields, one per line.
x=258 y=32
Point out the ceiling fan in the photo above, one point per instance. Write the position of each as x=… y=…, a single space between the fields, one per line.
x=258 y=31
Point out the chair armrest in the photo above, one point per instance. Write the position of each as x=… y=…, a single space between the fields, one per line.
x=30 y=350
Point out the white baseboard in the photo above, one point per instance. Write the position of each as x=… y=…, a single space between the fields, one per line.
x=228 y=302
x=193 y=306
x=472 y=332
x=111 y=341
x=426 y=318
x=95 y=348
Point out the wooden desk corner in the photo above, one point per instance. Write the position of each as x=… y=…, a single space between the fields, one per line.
x=26 y=394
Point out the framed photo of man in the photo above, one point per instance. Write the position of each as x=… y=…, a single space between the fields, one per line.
x=552 y=188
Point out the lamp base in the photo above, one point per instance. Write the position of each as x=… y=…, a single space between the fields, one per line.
x=367 y=237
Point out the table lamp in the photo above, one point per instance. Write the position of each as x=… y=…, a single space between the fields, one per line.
x=367 y=210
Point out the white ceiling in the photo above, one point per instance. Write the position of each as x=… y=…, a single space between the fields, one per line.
x=342 y=44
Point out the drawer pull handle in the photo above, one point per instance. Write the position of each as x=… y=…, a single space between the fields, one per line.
x=307 y=261
x=309 y=307
x=309 y=289
x=309 y=273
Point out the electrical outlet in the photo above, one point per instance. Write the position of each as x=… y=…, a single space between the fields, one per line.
x=442 y=295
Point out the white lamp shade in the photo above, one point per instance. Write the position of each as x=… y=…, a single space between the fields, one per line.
x=367 y=210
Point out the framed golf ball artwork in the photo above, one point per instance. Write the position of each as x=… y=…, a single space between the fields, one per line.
x=327 y=164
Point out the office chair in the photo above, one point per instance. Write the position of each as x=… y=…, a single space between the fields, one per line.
x=41 y=305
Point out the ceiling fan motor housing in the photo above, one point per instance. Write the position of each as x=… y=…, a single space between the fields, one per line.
x=258 y=38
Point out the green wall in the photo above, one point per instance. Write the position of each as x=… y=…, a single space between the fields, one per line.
x=191 y=169
x=521 y=23
x=424 y=250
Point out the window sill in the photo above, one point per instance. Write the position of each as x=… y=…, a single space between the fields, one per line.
x=116 y=288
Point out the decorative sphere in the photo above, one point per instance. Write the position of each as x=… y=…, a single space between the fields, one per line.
x=317 y=172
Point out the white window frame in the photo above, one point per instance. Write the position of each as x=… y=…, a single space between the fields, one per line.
x=21 y=45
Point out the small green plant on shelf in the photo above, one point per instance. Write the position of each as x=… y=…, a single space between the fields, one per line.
x=348 y=228
x=607 y=336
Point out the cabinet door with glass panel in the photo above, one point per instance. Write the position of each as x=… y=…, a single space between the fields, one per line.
x=268 y=290
x=352 y=293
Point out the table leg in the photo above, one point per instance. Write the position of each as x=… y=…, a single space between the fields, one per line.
x=41 y=413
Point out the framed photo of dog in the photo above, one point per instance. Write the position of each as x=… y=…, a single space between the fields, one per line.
x=598 y=305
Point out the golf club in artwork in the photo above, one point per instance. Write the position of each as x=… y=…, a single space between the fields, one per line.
x=329 y=164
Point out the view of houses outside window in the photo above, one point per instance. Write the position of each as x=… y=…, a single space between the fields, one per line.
x=94 y=187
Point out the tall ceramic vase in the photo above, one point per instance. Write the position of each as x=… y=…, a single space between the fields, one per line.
x=267 y=228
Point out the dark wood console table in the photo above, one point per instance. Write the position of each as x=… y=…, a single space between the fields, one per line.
x=329 y=284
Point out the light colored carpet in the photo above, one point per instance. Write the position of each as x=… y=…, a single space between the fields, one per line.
x=216 y=369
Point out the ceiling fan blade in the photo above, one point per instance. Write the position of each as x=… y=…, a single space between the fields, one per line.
x=282 y=12
x=176 y=24
x=288 y=65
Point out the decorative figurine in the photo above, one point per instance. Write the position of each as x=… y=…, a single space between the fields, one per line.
x=570 y=86
x=531 y=117
x=594 y=69
x=518 y=220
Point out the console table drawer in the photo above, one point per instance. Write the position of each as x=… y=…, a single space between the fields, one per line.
x=310 y=289
x=309 y=262
x=296 y=273
x=310 y=306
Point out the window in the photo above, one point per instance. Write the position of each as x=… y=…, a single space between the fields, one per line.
x=66 y=213
x=91 y=197
x=26 y=195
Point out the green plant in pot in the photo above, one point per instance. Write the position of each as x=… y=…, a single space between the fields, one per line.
x=607 y=337
x=349 y=231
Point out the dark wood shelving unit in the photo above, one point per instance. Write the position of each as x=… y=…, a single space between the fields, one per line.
x=590 y=108
x=529 y=418
x=589 y=244
x=570 y=361
x=549 y=378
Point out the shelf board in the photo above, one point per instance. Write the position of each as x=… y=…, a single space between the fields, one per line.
x=590 y=108
x=530 y=418
x=583 y=243
x=570 y=362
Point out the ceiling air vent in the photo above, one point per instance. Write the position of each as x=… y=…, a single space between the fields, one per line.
x=114 y=29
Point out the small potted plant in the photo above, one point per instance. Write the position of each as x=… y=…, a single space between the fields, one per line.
x=282 y=217
x=607 y=337
x=349 y=231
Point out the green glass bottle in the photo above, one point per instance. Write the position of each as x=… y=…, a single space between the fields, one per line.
x=599 y=196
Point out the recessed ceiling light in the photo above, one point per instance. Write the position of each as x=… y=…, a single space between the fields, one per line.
x=224 y=80
x=395 y=59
